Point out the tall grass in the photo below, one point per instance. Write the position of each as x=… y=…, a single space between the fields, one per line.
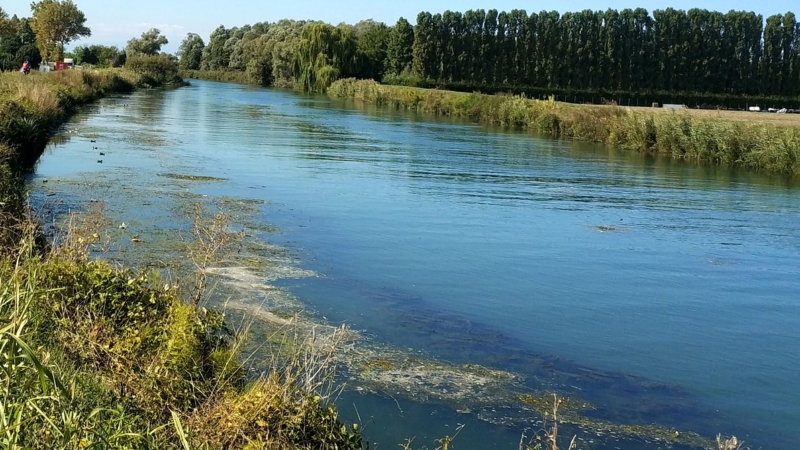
x=95 y=356
x=31 y=106
x=758 y=146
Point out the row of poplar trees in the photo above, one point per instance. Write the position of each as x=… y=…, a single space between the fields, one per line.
x=629 y=50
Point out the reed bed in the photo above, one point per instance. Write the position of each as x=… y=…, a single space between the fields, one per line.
x=227 y=76
x=761 y=146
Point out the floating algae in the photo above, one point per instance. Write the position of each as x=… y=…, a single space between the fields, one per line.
x=608 y=229
x=569 y=411
x=492 y=395
x=278 y=323
x=176 y=176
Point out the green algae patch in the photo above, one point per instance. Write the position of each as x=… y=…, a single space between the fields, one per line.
x=176 y=176
x=608 y=229
x=380 y=364
x=545 y=404
x=570 y=409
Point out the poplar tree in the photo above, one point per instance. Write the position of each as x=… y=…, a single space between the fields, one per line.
x=399 y=51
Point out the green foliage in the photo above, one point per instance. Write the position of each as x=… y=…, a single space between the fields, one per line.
x=57 y=23
x=149 y=44
x=96 y=55
x=215 y=55
x=272 y=408
x=190 y=52
x=423 y=50
x=46 y=404
x=325 y=54
x=695 y=51
x=139 y=335
x=17 y=44
x=399 y=48
x=157 y=69
x=120 y=59
x=228 y=76
x=372 y=39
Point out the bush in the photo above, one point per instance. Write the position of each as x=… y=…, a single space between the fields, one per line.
x=159 y=69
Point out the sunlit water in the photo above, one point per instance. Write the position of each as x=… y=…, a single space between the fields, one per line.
x=659 y=291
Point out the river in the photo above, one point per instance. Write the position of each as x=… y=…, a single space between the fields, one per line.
x=659 y=291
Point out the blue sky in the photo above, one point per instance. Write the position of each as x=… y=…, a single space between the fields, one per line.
x=113 y=22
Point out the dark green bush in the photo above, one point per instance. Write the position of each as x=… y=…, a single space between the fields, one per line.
x=159 y=69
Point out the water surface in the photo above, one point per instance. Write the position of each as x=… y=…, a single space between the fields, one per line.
x=660 y=291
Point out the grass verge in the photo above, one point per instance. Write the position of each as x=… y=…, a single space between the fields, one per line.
x=758 y=146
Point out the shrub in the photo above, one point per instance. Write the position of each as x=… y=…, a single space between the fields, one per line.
x=159 y=69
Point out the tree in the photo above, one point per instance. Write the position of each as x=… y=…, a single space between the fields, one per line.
x=191 y=52
x=771 y=62
x=98 y=55
x=57 y=23
x=788 y=24
x=424 y=49
x=325 y=54
x=373 y=39
x=399 y=48
x=149 y=44
x=214 y=54
x=120 y=59
x=17 y=44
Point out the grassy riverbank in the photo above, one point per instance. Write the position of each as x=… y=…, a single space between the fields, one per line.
x=757 y=145
x=97 y=356
x=227 y=76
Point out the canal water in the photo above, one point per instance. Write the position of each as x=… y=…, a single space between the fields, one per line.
x=661 y=292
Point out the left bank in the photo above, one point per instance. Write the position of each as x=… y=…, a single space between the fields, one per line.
x=97 y=356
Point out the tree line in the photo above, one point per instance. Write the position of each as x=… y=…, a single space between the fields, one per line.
x=695 y=51
x=629 y=50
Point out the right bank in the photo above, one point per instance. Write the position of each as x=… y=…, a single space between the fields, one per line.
x=768 y=146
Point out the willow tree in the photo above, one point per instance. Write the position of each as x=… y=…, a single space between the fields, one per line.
x=56 y=24
x=191 y=51
x=325 y=54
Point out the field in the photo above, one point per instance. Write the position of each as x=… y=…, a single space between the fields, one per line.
x=792 y=120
